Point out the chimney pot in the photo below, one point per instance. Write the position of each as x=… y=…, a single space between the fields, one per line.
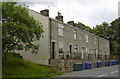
x=44 y=12
x=70 y=23
x=59 y=14
x=59 y=17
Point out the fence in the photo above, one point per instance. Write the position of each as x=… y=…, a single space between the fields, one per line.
x=86 y=56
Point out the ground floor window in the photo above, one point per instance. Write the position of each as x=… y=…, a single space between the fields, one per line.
x=61 y=55
x=76 y=51
x=76 y=48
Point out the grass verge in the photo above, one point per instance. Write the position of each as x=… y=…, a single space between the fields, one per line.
x=15 y=67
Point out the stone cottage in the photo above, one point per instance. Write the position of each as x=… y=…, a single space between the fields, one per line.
x=64 y=41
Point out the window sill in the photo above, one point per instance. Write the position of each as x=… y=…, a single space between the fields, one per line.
x=60 y=36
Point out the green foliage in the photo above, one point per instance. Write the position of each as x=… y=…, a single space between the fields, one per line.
x=67 y=56
x=115 y=27
x=101 y=30
x=19 y=29
x=117 y=49
x=81 y=25
x=108 y=31
x=17 y=67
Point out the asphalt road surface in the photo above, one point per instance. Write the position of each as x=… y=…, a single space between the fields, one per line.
x=109 y=72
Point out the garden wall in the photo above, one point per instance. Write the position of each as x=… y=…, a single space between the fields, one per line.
x=67 y=65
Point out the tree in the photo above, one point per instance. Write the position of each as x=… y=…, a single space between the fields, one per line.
x=19 y=29
x=82 y=26
x=117 y=49
x=101 y=30
x=115 y=26
x=110 y=32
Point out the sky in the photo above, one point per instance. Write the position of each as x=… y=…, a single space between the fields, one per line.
x=89 y=12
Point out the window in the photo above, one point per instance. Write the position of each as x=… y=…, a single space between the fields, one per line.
x=60 y=29
x=82 y=52
x=76 y=48
x=61 y=55
x=95 y=41
x=101 y=42
x=86 y=38
x=86 y=51
x=107 y=45
x=60 y=44
x=76 y=51
x=95 y=54
x=75 y=34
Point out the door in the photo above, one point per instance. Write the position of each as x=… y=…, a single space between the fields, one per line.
x=70 y=50
x=53 y=50
x=82 y=52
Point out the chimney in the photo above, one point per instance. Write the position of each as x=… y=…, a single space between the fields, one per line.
x=79 y=27
x=87 y=29
x=59 y=17
x=44 y=12
x=70 y=22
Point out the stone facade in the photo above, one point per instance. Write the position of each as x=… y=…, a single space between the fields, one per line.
x=94 y=48
x=67 y=65
x=63 y=41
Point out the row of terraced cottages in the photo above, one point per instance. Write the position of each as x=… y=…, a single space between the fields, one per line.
x=64 y=41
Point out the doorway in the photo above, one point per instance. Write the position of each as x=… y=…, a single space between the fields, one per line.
x=53 y=50
x=82 y=53
x=70 y=50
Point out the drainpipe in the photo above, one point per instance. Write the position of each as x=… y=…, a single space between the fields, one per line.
x=50 y=38
x=98 y=46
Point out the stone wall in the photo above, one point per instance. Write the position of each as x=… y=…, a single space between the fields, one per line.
x=94 y=46
x=67 y=65
x=59 y=63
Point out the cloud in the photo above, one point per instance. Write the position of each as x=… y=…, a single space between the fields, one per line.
x=89 y=12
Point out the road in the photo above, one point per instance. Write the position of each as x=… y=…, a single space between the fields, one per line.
x=109 y=72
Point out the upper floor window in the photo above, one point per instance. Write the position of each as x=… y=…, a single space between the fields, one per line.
x=86 y=38
x=101 y=42
x=75 y=34
x=60 y=29
x=95 y=41
x=107 y=44
x=86 y=50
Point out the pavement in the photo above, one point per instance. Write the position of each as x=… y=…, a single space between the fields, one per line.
x=108 y=72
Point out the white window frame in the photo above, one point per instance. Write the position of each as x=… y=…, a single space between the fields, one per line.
x=60 y=44
x=76 y=48
x=75 y=34
x=86 y=51
x=60 y=30
x=86 y=38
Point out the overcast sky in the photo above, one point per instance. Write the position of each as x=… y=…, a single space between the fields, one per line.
x=89 y=12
